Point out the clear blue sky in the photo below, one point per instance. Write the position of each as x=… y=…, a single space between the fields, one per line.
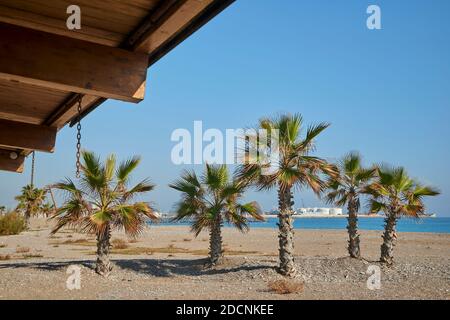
x=386 y=92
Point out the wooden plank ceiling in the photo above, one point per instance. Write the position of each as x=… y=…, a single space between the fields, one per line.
x=45 y=68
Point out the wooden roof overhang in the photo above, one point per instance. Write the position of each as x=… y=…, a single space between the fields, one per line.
x=45 y=68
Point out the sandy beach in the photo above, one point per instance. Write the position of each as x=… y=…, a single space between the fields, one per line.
x=167 y=262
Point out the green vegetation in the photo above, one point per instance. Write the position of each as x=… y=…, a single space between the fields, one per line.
x=12 y=223
x=346 y=189
x=396 y=194
x=104 y=202
x=296 y=169
x=211 y=200
x=31 y=201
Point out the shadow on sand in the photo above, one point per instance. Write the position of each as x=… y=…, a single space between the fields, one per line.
x=152 y=267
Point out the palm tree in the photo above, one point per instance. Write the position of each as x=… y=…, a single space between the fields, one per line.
x=104 y=202
x=31 y=201
x=209 y=201
x=47 y=209
x=296 y=168
x=346 y=189
x=397 y=195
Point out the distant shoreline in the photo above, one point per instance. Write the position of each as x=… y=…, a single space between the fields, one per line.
x=321 y=216
x=297 y=216
x=335 y=216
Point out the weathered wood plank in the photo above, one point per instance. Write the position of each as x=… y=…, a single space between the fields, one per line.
x=61 y=63
x=8 y=163
x=26 y=103
x=172 y=24
x=21 y=135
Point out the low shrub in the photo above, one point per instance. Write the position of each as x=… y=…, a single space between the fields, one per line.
x=22 y=250
x=119 y=244
x=285 y=286
x=12 y=223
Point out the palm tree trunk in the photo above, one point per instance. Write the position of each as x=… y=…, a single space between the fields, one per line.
x=389 y=237
x=55 y=208
x=286 y=233
x=27 y=216
x=103 y=266
x=215 y=242
x=352 y=227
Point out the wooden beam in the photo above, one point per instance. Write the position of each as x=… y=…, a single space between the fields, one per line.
x=56 y=25
x=199 y=21
x=27 y=136
x=154 y=22
x=57 y=62
x=170 y=24
x=11 y=161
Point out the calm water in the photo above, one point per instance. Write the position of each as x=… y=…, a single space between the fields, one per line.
x=433 y=225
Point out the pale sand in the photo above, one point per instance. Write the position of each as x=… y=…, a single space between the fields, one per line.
x=167 y=262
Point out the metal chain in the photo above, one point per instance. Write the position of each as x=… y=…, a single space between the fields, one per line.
x=32 y=169
x=79 y=138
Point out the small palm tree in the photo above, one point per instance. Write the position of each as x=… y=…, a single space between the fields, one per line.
x=31 y=201
x=346 y=189
x=397 y=195
x=104 y=202
x=296 y=168
x=47 y=209
x=211 y=200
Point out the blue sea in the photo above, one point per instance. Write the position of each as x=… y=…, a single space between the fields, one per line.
x=432 y=225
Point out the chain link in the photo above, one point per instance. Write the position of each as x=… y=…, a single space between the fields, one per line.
x=79 y=138
x=32 y=169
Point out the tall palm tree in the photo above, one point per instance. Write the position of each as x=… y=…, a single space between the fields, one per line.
x=30 y=201
x=346 y=189
x=209 y=201
x=296 y=168
x=103 y=202
x=397 y=195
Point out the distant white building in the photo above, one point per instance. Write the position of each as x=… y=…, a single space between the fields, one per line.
x=319 y=211
x=336 y=211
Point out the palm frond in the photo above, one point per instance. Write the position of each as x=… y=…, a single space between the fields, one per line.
x=125 y=169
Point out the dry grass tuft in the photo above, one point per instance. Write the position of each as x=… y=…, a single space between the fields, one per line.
x=285 y=286
x=3 y=245
x=119 y=244
x=5 y=257
x=187 y=240
x=12 y=223
x=30 y=256
x=22 y=250
x=77 y=241
x=150 y=251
